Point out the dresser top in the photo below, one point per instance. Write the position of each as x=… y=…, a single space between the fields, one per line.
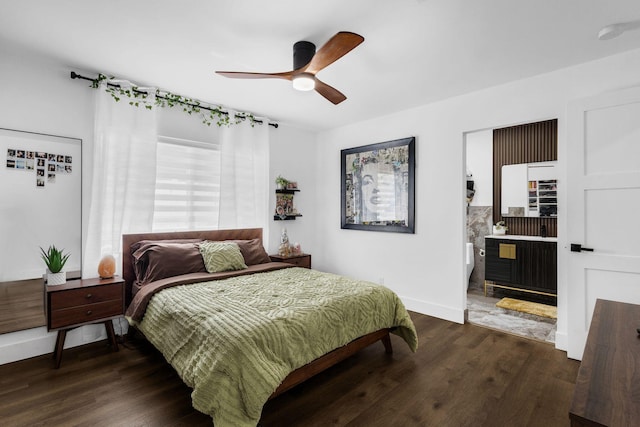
x=83 y=283
x=518 y=237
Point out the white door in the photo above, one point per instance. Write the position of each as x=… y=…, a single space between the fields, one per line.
x=603 y=194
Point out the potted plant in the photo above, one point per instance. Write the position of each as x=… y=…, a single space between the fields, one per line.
x=55 y=260
x=281 y=183
x=500 y=228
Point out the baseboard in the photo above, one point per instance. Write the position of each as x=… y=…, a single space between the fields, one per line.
x=440 y=311
x=34 y=342
x=562 y=340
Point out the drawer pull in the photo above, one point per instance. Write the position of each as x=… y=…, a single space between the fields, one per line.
x=507 y=251
x=89 y=296
x=88 y=312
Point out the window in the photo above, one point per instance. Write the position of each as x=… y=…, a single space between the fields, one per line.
x=187 y=185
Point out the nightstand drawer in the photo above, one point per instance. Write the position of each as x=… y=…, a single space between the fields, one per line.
x=300 y=261
x=88 y=295
x=303 y=260
x=85 y=313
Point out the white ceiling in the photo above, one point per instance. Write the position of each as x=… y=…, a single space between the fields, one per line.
x=415 y=51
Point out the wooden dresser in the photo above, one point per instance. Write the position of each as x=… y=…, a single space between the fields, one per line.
x=607 y=390
x=82 y=302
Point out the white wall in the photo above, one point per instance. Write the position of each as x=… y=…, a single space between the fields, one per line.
x=39 y=96
x=480 y=164
x=293 y=155
x=426 y=269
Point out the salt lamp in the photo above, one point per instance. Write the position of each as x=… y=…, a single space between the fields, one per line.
x=107 y=267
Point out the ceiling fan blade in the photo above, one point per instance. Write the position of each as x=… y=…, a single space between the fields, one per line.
x=331 y=93
x=337 y=46
x=242 y=75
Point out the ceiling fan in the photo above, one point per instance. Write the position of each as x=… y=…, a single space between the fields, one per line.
x=307 y=62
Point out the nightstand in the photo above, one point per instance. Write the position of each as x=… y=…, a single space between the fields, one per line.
x=83 y=302
x=303 y=260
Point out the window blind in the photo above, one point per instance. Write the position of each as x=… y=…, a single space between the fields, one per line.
x=187 y=185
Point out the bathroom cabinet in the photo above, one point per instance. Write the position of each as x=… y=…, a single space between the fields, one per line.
x=522 y=263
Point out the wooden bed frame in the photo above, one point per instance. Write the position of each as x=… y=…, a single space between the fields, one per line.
x=299 y=375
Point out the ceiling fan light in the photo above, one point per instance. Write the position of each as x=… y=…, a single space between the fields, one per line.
x=304 y=82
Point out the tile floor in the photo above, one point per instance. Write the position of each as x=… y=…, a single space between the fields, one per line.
x=483 y=311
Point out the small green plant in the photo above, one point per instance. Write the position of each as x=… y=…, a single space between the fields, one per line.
x=281 y=181
x=500 y=225
x=54 y=259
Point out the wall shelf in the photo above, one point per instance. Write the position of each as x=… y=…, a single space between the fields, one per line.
x=284 y=205
x=285 y=217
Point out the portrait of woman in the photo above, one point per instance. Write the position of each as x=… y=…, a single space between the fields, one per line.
x=377 y=186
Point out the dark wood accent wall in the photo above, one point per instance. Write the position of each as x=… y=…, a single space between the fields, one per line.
x=533 y=142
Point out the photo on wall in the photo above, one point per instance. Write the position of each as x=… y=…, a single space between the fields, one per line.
x=378 y=186
x=21 y=159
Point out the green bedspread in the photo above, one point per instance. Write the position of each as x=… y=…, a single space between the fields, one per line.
x=233 y=341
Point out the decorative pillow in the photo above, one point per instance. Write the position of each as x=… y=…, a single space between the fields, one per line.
x=221 y=256
x=252 y=251
x=158 y=260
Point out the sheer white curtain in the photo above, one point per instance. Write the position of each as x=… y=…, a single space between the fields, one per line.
x=124 y=177
x=244 y=176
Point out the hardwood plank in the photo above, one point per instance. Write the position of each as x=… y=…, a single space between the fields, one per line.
x=461 y=375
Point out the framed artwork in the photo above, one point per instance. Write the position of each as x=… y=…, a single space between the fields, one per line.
x=378 y=186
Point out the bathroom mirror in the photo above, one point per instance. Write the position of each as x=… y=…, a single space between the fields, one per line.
x=529 y=190
x=41 y=205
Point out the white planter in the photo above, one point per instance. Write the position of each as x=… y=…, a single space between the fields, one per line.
x=59 y=278
x=499 y=231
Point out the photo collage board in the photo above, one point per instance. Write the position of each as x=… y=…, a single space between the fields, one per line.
x=45 y=165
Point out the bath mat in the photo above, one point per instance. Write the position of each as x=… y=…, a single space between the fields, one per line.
x=529 y=307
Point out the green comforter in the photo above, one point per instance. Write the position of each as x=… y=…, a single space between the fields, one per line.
x=233 y=341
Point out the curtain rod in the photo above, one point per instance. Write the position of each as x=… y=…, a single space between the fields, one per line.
x=75 y=75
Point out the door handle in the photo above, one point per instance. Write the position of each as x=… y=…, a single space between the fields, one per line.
x=577 y=247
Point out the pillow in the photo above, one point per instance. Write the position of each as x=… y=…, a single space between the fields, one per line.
x=158 y=260
x=221 y=256
x=139 y=244
x=252 y=251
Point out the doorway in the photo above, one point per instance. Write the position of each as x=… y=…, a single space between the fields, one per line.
x=483 y=160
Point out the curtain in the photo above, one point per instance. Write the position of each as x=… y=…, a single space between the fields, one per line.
x=124 y=175
x=244 y=176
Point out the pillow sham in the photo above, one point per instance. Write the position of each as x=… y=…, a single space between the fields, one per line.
x=252 y=251
x=158 y=260
x=141 y=243
x=221 y=256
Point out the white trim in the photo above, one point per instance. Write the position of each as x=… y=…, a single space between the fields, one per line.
x=452 y=314
x=37 y=341
x=561 y=341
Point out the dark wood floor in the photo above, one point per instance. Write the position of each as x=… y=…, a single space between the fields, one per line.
x=462 y=375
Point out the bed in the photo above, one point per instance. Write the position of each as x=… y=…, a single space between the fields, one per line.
x=241 y=335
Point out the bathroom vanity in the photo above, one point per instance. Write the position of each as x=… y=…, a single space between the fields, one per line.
x=522 y=263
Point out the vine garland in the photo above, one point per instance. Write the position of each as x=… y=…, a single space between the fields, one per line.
x=162 y=99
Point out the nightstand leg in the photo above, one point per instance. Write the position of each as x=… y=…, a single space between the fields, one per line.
x=111 y=335
x=57 y=353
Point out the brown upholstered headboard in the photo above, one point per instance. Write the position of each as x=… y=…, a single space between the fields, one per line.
x=128 y=239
